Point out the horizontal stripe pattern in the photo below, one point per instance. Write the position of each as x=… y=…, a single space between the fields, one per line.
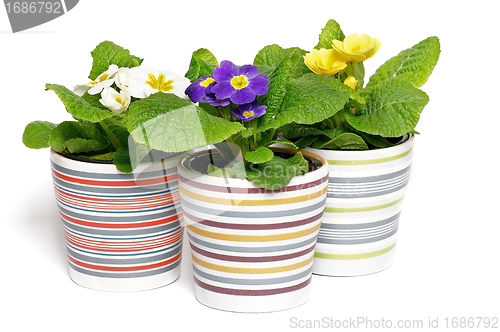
x=246 y=241
x=363 y=206
x=120 y=226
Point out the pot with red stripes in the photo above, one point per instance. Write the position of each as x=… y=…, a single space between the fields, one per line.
x=252 y=249
x=123 y=231
x=363 y=208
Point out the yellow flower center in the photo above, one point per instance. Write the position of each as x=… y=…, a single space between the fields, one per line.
x=101 y=79
x=120 y=101
x=207 y=82
x=159 y=83
x=248 y=114
x=239 y=82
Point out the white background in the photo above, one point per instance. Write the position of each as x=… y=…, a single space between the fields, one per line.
x=447 y=262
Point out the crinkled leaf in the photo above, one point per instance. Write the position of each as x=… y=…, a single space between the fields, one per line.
x=328 y=33
x=102 y=156
x=278 y=81
x=392 y=109
x=77 y=137
x=78 y=107
x=307 y=141
x=108 y=53
x=277 y=172
x=308 y=100
x=280 y=141
x=168 y=123
x=121 y=159
x=342 y=140
x=202 y=64
x=413 y=65
x=36 y=134
x=294 y=130
x=259 y=155
x=82 y=145
x=238 y=170
x=117 y=132
x=268 y=58
x=375 y=140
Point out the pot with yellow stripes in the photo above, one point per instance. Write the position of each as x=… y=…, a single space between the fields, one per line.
x=363 y=207
x=252 y=248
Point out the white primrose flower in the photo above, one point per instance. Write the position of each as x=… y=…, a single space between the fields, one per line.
x=141 y=82
x=120 y=78
x=115 y=101
x=104 y=80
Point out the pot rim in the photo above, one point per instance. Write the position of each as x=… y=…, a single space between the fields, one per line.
x=375 y=152
x=70 y=156
x=322 y=160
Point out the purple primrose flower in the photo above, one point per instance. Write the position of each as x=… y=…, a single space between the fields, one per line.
x=211 y=99
x=240 y=84
x=197 y=90
x=247 y=112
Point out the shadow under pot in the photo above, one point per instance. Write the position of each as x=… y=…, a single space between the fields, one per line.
x=363 y=209
x=123 y=231
x=252 y=249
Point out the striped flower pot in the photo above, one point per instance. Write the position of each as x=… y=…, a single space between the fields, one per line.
x=252 y=249
x=363 y=206
x=123 y=231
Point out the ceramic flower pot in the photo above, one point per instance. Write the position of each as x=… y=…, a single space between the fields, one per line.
x=123 y=231
x=252 y=249
x=363 y=207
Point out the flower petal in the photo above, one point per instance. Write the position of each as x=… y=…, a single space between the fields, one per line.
x=226 y=71
x=243 y=96
x=250 y=71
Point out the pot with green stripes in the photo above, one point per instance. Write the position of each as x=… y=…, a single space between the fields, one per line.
x=363 y=208
x=252 y=248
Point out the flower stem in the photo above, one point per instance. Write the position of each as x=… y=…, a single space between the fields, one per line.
x=218 y=111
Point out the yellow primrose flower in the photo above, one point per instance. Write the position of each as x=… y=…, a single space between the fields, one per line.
x=324 y=62
x=357 y=48
x=351 y=82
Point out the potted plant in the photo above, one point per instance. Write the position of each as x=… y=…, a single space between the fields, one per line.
x=368 y=143
x=123 y=230
x=252 y=211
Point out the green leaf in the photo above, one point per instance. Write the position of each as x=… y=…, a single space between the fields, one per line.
x=294 y=130
x=117 y=132
x=342 y=140
x=306 y=141
x=270 y=57
x=108 y=53
x=102 y=156
x=202 y=64
x=259 y=155
x=277 y=172
x=375 y=140
x=126 y=159
x=82 y=145
x=78 y=107
x=168 y=123
x=148 y=109
x=36 y=134
x=308 y=100
x=121 y=159
x=77 y=137
x=281 y=141
x=328 y=33
x=413 y=65
x=238 y=170
x=392 y=109
x=278 y=81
